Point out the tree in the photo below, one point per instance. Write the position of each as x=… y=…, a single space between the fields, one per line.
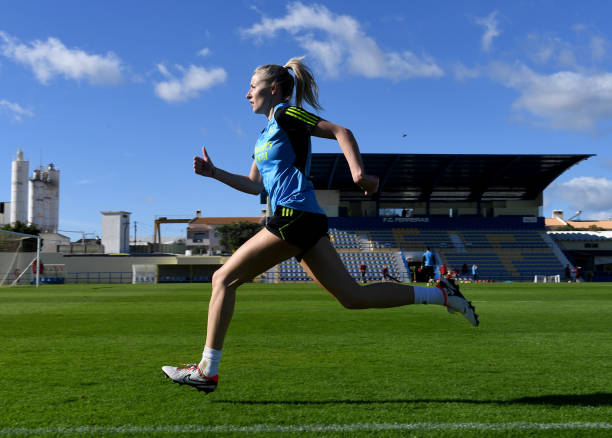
x=20 y=227
x=595 y=228
x=235 y=234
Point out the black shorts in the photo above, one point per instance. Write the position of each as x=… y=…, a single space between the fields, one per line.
x=301 y=228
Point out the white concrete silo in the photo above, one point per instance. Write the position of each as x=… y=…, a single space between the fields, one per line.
x=19 y=189
x=36 y=203
x=53 y=180
x=43 y=210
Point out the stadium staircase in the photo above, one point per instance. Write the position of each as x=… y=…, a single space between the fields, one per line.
x=550 y=239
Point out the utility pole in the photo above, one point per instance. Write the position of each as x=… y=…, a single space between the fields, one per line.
x=135 y=229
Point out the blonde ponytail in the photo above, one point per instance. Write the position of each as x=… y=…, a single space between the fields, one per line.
x=306 y=88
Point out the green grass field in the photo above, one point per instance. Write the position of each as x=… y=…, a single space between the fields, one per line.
x=85 y=360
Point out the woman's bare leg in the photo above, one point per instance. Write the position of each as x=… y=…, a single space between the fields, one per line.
x=258 y=254
x=324 y=265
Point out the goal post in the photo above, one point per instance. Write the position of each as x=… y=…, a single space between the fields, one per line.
x=144 y=274
x=547 y=279
x=19 y=253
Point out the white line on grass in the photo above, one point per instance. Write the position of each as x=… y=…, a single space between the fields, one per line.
x=297 y=428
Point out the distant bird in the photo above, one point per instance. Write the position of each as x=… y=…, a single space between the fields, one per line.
x=404 y=135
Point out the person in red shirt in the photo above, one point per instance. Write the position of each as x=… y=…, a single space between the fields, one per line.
x=363 y=268
x=443 y=270
x=385 y=272
x=386 y=276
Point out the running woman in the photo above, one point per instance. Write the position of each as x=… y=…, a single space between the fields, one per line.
x=298 y=227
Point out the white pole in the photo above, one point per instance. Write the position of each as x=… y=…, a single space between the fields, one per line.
x=38 y=261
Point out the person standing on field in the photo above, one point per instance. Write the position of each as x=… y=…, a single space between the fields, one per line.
x=298 y=228
x=443 y=270
x=429 y=261
x=362 y=269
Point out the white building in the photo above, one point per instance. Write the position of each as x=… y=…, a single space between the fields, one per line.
x=52 y=241
x=19 y=189
x=116 y=231
x=5 y=213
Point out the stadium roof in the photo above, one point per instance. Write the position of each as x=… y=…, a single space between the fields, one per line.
x=440 y=177
x=554 y=222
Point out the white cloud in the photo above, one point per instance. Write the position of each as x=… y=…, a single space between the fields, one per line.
x=51 y=58
x=163 y=70
x=204 y=52
x=564 y=100
x=15 y=110
x=541 y=48
x=491 y=30
x=337 y=41
x=546 y=48
x=587 y=193
x=604 y=215
x=194 y=80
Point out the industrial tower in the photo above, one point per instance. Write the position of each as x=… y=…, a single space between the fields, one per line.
x=41 y=208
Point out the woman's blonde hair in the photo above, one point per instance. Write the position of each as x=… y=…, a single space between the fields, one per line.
x=306 y=88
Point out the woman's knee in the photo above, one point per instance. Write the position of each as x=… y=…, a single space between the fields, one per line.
x=217 y=279
x=223 y=278
x=220 y=280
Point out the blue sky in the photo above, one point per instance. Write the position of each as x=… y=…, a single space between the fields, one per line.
x=121 y=95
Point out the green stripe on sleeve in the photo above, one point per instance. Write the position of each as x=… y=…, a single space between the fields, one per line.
x=305 y=117
x=303 y=113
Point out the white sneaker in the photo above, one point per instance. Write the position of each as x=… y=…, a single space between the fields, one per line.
x=191 y=375
x=455 y=302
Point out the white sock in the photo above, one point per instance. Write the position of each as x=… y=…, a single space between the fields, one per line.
x=209 y=364
x=428 y=295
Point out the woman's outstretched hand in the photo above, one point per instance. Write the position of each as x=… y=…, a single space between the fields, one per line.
x=368 y=183
x=203 y=165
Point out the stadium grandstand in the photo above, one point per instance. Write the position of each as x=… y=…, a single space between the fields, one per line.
x=483 y=210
